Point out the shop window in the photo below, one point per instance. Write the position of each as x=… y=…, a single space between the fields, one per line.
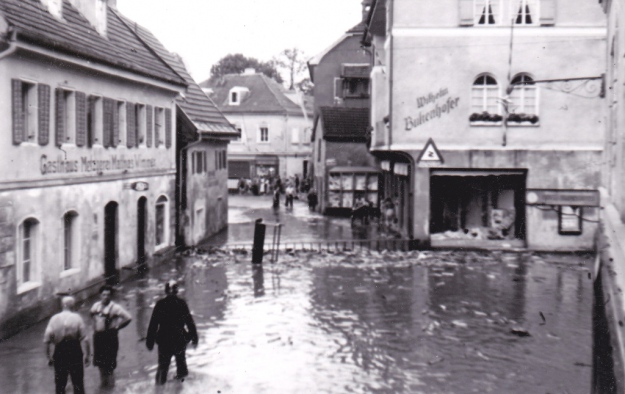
x=162 y=221
x=27 y=256
x=263 y=134
x=70 y=240
x=523 y=100
x=570 y=220
x=349 y=190
x=485 y=100
x=486 y=12
x=525 y=12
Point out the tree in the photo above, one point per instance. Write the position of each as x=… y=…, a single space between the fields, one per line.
x=293 y=62
x=237 y=63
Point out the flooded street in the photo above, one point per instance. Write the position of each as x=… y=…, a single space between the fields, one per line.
x=365 y=322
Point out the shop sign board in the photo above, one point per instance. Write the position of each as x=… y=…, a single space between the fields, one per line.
x=571 y=198
x=400 y=169
x=430 y=155
x=385 y=165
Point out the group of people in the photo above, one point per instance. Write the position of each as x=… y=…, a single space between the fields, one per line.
x=68 y=348
x=269 y=184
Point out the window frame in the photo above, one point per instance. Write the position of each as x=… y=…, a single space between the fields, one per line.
x=479 y=8
x=122 y=123
x=260 y=139
x=71 y=236
x=30 y=113
x=484 y=95
x=34 y=274
x=524 y=89
x=162 y=202
x=159 y=127
x=141 y=124
x=69 y=116
x=532 y=5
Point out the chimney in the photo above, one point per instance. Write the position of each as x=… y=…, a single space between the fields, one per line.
x=249 y=71
x=95 y=11
x=55 y=7
x=366 y=6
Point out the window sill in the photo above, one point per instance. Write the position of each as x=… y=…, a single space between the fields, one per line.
x=69 y=272
x=485 y=124
x=70 y=145
x=28 y=286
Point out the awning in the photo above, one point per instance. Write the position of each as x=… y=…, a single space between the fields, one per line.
x=477 y=172
x=354 y=169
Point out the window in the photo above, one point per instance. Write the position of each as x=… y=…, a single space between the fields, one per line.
x=121 y=122
x=198 y=162
x=220 y=159
x=523 y=96
x=29 y=113
x=355 y=87
x=486 y=12
x=66 y=117
x=27 y=269
x=234 y=98
x=159 y=121
x=95 y=121
x=140 y=123
x=70 y=240
x=485 y=95
x=162 y=221
x=525 y=12
x=263 y=134
x=570 y=220
x=237 y=94
x=295 y=135
x=239 y=128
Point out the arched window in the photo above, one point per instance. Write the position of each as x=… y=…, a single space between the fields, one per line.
x=523 y=98
x=486 y=12
x=27 y=255
x=162 y=221
x=485 y=95
x=70 y=240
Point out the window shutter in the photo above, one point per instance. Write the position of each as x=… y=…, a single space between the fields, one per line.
x=18 y=112
x=43 y=101
x=81 y=119
x=168 y=127
x=131 y=134
x=115 y=139
x=60 y=117
x=107 y=126
x=465 y=12
x=148 y=126
x=338 y=87
x=548 y=12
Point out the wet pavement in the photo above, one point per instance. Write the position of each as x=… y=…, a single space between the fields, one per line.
x=299 y=224
x=366 y=322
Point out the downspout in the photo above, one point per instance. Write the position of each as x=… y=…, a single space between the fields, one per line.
x=390 y=76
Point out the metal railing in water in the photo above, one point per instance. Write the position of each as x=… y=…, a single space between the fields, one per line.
x=351 y=245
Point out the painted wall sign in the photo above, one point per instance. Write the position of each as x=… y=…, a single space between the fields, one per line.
x=88 y=164
x=432 y=106
x=571 y=198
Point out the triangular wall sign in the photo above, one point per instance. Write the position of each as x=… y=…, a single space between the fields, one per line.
x=430 y=153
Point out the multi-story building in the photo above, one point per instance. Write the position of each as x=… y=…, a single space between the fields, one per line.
x=343 y=169
x=275 y=130
x=481 y=140
x=87 y=154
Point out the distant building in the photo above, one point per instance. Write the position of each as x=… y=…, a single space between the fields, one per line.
x=275 y=131
x=478 y=148
x=88 y=157
x=202 y=137
x=342 y=128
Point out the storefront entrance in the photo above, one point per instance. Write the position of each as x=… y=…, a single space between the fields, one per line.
x=110 y=243
x=477 y=205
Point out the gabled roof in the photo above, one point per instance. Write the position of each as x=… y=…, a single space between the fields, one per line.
x=196 y=105
x=75 y=36
x=265 y=95
x=346 y=124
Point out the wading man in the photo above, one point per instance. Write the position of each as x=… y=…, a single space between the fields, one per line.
x=66 y=332
x=171 y=327
x=108 y=318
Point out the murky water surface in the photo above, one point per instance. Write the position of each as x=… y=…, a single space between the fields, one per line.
x=433 y=322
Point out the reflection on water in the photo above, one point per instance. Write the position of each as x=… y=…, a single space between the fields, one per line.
x=370 y=323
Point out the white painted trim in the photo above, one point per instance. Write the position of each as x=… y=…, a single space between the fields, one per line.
x=69 y=272
x=315 y=60
x=500 y=31
x=28 y=286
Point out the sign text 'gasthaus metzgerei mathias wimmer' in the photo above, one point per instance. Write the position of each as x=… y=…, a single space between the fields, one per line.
x=87 y=164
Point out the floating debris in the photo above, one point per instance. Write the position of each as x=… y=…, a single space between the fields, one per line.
x=520 y=332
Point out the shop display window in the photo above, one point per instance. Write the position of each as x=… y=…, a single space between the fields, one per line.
x=569 y=220
x=348 y=188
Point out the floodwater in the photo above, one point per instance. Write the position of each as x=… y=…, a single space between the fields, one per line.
x=366 y=322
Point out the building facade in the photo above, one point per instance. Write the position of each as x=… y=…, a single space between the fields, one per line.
x=275 y=131
x=482 y=140
x=88 y=152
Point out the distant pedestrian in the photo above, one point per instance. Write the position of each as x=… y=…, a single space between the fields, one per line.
x=296 y=184
x=289 y=195
x=108 y=318
x=276 y=199
x=66 y=332
x=171 y=327
x=312 y=200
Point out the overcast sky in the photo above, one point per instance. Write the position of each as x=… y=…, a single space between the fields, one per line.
x=204 y=31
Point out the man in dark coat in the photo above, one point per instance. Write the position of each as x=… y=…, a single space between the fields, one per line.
x=167 y=328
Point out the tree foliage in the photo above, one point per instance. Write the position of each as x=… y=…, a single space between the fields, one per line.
x=237 y=63
x=293 y=62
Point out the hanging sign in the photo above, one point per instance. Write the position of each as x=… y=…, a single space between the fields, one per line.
x=400 y=169
x=385 y=165
x=571 y=198
x=430 y=155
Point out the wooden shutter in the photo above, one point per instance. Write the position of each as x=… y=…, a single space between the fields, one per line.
x=547 y=12
x=115 y=134
x=81 y=119
x=107 y=126
x=168 y=128
x=465 y=12
x=131 y=126
x=18 y=112
x=60 y=117
x=43 y=101
x=148 y=125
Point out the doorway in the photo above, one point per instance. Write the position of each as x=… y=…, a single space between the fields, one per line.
x=111 y=273
x=141 y=226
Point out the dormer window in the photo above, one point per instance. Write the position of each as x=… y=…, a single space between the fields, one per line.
x=237 y=94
